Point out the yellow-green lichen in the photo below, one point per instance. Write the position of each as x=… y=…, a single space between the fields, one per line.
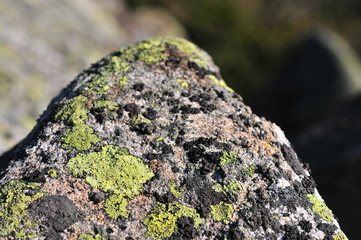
x=86 y=236
x=73 y=110
x=162 y=222
x=220 y=82
x=319 y=207
x=140 y=119
x=159 y=139
x=53 y=173
x=80 y=136
x=339 y=236
x=228 y=157
x=111 y=105
x=13 y=204
x=194 y=53
x=112 y=170
x=232 y=188
x=222 y=212
x=172 y=188
x=249 y=171
x=183 y=83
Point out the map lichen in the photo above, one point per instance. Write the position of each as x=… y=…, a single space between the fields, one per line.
x=115 y=171
x=14 y=200
x=162 y=222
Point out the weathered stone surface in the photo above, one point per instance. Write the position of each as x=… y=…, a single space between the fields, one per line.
x=150 y=143
x=44 y=43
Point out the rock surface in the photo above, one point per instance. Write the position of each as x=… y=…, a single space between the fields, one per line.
x=38 y=57
x=150 y=143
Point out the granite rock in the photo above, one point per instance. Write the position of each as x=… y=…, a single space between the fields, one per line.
x=150 y=143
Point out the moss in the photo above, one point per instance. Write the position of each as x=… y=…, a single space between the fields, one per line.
x=140 y=119
x=14 y=201
x=73 y=111
x=228 y=157
x=115 y=171
x=339 y=236
x=183 y=83
x=172 y=188
x=232 y=188
x=220 y=82
x=111 y=105
x=249 y=171
x=222 y=212
x=162 y=222
x=86 y=236
x=80 y=137
x=53 y=173
x=319 y=207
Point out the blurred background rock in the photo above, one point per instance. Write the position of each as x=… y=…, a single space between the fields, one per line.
x=294 y=62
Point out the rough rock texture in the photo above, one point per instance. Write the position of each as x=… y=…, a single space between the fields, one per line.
x=150 y=143
x=44 y=43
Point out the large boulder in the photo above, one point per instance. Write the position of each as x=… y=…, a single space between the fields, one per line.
x=150 y=143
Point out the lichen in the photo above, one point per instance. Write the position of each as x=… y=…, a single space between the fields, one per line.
x=319 y=207
x=111 y=105
x=183 y=83
x=86 y=236
x=162 y=222
x=339 y=236
x=249 y=171
x=80 y=136
x=172 y=188
x=14 y=200
x=222 y=212
x=115 y=171
x=159 y=139
x=220 y=82
x=140 y=119
x=228 y=157
x=53 y=173
x=232 y=188
x=73 y=111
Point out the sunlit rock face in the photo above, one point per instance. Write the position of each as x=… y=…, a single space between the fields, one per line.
x=150 y=143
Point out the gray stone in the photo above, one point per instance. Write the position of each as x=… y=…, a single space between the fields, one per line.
x=150 y=143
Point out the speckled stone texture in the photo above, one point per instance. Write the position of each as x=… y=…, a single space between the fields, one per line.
x=150 y=143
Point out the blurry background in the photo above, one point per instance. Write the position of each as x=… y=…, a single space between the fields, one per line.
x=294 y=62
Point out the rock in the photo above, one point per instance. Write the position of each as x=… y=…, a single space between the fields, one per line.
x=320 y=72
x=150 y=143
x=332 y=148
x=39 y=56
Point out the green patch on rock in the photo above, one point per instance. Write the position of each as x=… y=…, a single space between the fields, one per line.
x=140 y=119
x=222 y=212
x=339 y=236
x=53 y=173
x=14 y=200
x=319 y=207
x=172 y=188
x=162 y=222
x=220 y=82
x=249 y=171
x=81 y=137
x=232 y=188
x=86 y=236
x=73 y=111
x=111 y=105
x=183 y=83
x=228 y=157
x=115 y=171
